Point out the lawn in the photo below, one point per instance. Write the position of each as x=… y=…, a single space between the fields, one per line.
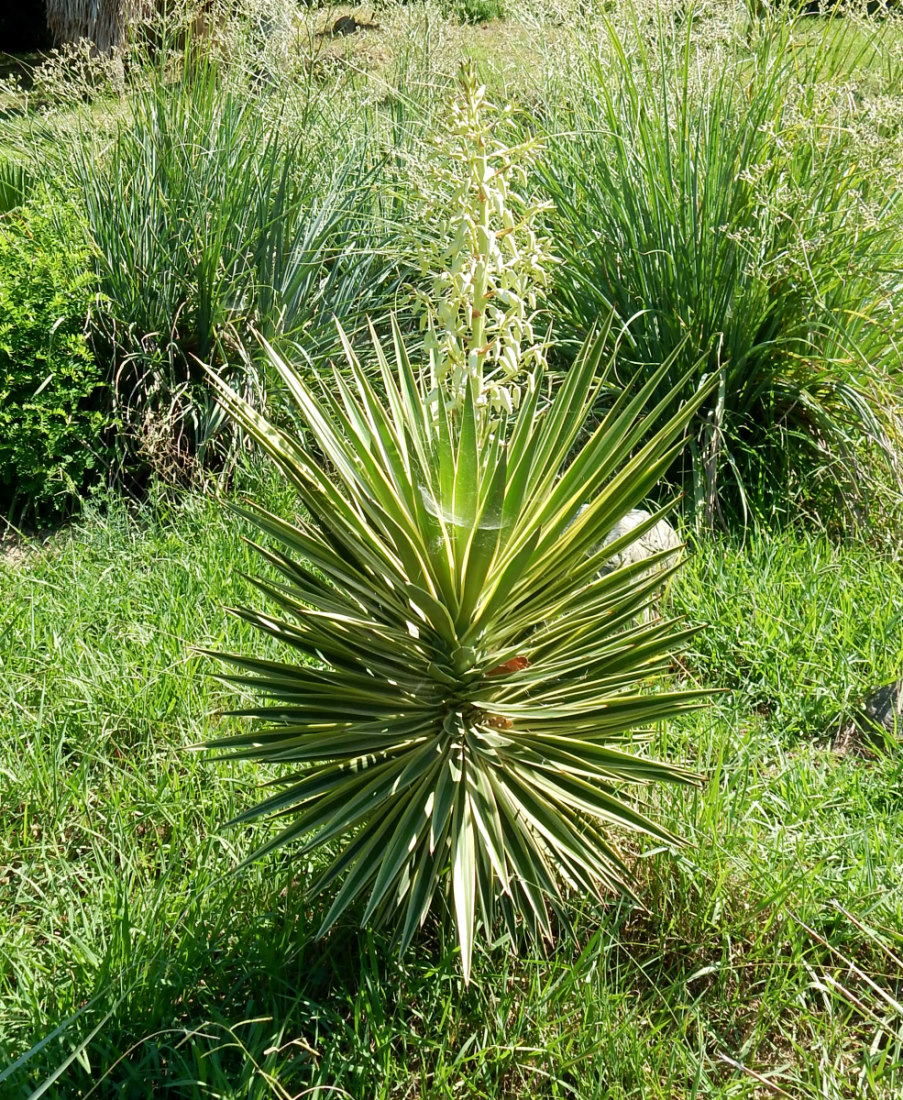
x=124 y=909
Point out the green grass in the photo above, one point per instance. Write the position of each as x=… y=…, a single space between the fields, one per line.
x=119 y=900
x=136 y=959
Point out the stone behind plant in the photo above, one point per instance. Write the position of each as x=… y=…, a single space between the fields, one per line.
x=883 y=709
x=661 y=537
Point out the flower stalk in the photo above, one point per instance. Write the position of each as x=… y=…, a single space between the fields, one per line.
x=488 y=266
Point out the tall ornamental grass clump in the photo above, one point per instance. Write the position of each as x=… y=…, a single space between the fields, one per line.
x=715 y=203
x=459 y=710
x=207 y=218
x=16 y=184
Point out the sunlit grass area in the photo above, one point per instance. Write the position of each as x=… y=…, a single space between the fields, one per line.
x=726 y=187
x=123 y=907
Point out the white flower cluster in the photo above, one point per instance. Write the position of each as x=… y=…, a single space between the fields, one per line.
x=487 y=261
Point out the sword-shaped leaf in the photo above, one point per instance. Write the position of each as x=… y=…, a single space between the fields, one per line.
x=465 y=691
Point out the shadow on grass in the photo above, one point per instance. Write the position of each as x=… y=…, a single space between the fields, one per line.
x=237 y=999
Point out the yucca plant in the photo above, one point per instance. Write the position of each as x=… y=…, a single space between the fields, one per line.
x=463 y=681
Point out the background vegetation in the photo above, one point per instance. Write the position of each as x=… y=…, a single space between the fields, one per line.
x=726 y=182
x=55 y=399
x=736 y=223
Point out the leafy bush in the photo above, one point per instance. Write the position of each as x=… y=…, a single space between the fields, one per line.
x=55 y=400
x=724 y=218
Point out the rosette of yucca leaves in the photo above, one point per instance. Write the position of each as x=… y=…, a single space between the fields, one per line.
x=463 y=680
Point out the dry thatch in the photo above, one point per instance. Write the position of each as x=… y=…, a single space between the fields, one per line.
x=104 y=22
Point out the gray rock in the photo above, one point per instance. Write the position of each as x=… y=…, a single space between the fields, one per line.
x=661 y=537
x=658 y=538
x=883 y=709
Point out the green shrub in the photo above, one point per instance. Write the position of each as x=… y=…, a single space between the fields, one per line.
x=55 y=399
